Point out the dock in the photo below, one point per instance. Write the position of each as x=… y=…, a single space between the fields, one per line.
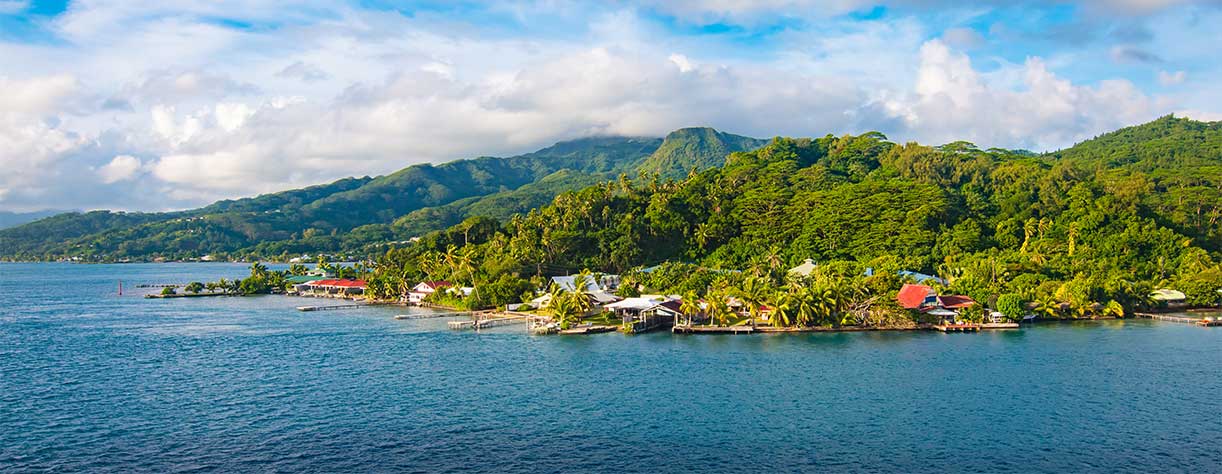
x=957 y=327
x=480 y=323
x=999 y=326
x=587 y=329
x=330 y=307
x=1181 y=319
x=452 y=314
x=744 y=329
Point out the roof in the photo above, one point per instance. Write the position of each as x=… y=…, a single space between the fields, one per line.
x=913 y=296
x=955 y=301
x=345 y=283
x=1166 y=294
x=671 y=305
x=634 y=303
x=805 y=269
x=433 y=285
x=299 y=279
x=569 y=282
x=920 y=277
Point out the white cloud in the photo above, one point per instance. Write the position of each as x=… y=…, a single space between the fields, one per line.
x=10 y=7
x=121 y=168
x=218 y=112
x=1170 y=78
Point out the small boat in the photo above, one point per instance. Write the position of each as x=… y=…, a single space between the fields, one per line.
x=403 y=316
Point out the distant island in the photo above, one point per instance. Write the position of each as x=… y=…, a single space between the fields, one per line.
x=827 y=232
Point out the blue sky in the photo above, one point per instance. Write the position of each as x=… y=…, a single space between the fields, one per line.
x=170 y=104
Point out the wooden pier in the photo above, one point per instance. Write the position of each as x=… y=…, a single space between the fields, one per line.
x=486 y=320
x=331 y=307
x=587 y=329
x=744 y=329
x=452 y=314
x=957 y=327
x=1181 y=319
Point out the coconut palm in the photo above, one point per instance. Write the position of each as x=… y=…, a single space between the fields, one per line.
x=805 y=310
x=689 y=306
x=783 y=304
x=753 y=292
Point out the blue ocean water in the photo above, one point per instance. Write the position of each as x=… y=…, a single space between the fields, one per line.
x=94 y=382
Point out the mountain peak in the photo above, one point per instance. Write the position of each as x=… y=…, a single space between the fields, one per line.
x=695 y=148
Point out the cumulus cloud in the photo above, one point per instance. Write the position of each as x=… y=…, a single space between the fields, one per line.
x=218 y=112
x=1171 y=78
x=953 y=101
x=10 y=7
x=120 y=168
x=303 y=71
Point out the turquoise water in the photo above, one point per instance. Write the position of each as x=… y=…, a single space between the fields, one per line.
x=90 y=381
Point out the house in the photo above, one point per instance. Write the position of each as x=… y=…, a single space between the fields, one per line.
x=924 y=299
x=804 y=270
x=632 y=307
x=1168 y=298
x=913 y=296
x=331 y=287
x=955 y=302
x=597 y=282
x=598 y=299
x=423 y=289
x=660 y=314
x=920 y=278
x=320 y=273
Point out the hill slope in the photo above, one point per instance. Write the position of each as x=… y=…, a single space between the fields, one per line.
x=697 y=149
x=331 y=216
x=1090 y=228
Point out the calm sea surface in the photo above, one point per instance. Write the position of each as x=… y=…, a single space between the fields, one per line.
x=90 y=381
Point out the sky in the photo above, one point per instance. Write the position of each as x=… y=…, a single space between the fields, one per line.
x=169 y=104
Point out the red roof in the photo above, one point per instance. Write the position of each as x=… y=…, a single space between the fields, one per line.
x=345 y=283
x=435 y=285
x=912 y=296
x=955 y=301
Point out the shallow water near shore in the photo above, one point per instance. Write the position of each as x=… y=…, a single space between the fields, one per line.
x=90 y=381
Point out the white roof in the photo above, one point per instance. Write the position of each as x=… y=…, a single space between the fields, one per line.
x=805 y=269
x=1164 y=294
x=942 y=312
x=635 y=303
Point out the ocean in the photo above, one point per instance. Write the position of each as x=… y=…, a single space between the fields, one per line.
x=95 y=382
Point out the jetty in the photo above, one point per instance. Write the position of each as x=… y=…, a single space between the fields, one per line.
x=1203 y=322
x=587 y=329
x=185 y=295
x=487 y=320
x=965 y=327
x=451 y=314
x=743 y=329
x=330 y=307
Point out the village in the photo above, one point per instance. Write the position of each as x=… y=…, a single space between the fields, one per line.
x=588 y=303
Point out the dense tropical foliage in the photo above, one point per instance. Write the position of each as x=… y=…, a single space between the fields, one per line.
x=1088 y=231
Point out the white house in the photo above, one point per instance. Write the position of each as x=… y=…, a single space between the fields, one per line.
x=423 y=289
x=804 y=270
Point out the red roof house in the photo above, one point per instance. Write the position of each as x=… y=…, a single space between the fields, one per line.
x=916 y=296
x=955 y=301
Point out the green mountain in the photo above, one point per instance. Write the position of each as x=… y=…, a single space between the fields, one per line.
x=697 y=149
x=349 y=214
x=1091 y=228
x=13 y=219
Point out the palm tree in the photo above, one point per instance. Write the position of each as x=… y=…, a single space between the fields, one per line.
x=753 y=294
x=689 y=306
x=805 y=310
x=1113 y=309
x=258 y=269
x=783 y=303
x=1049 y=307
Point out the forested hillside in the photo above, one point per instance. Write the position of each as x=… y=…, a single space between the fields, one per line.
x=1102 y=222
x=356 y=215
